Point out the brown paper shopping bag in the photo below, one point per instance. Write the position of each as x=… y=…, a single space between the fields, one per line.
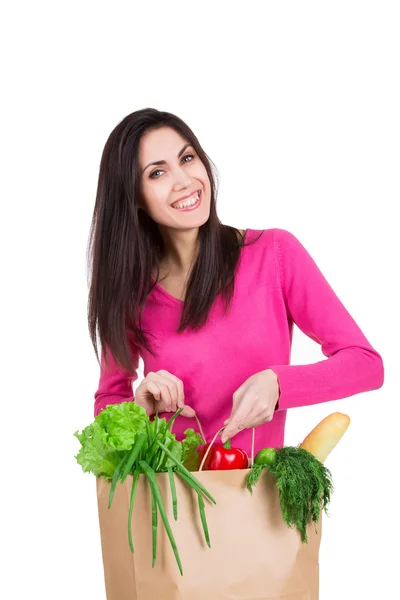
x=253 y=554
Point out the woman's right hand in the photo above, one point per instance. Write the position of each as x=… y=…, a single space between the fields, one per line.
x=162 y=392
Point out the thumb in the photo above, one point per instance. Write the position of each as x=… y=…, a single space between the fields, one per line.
x=188 y=412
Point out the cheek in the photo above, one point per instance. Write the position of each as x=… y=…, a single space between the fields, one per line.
x=206 y=185
x=202 y=175
x=154 y=199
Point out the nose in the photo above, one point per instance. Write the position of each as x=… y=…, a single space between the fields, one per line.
x=182 y=178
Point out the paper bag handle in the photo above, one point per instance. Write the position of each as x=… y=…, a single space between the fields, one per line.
x=199 y=426
x=253 y=434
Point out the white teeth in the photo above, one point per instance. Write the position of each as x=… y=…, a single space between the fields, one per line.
x=187 y=203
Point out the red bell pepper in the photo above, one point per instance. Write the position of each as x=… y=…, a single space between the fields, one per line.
x=223 y=457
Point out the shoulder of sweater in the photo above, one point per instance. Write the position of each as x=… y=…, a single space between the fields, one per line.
x=281 y=243
x=274 y=236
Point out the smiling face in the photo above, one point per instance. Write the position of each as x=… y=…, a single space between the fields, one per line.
x=179 y=173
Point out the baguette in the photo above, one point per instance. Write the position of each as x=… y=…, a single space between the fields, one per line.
x=324 y=437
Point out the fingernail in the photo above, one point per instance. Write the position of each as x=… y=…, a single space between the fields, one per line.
x=180 y=404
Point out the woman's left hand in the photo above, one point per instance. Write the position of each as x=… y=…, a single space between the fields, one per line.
x=253 y=403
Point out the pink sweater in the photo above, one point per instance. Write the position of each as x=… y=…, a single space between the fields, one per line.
x=277 y=284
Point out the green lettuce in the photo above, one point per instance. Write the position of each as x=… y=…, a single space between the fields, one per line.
x=122 y=424
x=113 y=434
x=96 y=456
x=190 y=444
x=109 y=437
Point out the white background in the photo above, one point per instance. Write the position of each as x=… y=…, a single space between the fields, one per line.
x=297 y=103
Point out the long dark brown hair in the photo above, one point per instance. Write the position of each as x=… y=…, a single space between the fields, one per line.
x=125 y=244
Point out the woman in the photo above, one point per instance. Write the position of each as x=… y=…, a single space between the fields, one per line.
x=209 y=308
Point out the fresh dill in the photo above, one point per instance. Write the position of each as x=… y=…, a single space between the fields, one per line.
x=304 y=483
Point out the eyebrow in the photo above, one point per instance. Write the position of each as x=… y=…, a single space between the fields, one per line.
x=163 y=162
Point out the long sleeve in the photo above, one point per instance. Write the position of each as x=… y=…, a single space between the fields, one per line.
x=115 y=385
x=352 y=366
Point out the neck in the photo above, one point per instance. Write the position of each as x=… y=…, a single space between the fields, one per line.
x=181 y=249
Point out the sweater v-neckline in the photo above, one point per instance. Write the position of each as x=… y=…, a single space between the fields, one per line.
x=174 y=299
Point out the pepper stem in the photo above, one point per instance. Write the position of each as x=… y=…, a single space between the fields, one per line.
x=227 y=444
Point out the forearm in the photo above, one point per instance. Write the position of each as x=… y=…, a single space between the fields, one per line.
x=351 y=371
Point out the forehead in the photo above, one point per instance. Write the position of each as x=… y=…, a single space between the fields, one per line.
x=160 y=144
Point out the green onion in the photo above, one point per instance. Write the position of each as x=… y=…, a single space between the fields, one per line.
x=157 y=496
x=148 y=431
x=151 y=455
x=133 y=456
x=172 y=419
x=115 y=478
x=187 y=473
x=201 y=508
x=154 y=522
x=156 y=420
x=173 y=493
x=203 y=519
x=152 y=458
x=132 y=501
x=157 y=461
x=163 y=432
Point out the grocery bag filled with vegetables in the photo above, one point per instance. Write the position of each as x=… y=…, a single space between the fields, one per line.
x=191 y=520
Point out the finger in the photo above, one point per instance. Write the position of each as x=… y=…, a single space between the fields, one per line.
x=161 y=395
x=166 y=396
x=172 y=396
x=168 y=390
x=232 y=429
x=252 y=418
x=179 y=386
x=188 y=412
x=235 y=405
x=257 y=417
x=238 y=421
x=153 y=388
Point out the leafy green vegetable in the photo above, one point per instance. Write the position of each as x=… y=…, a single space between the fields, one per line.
x=96 y=455
x=112 y=432
x=254 y=476
x=123 y=441
x=304 y=484
x=175 y=448
x=122 y=423
x=190 y=444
